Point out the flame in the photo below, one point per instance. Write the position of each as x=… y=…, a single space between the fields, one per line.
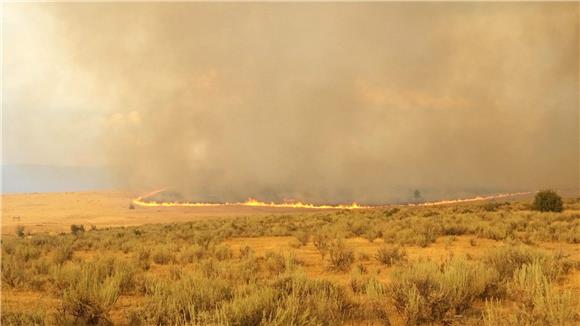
x=478 y=198
x=251 y=202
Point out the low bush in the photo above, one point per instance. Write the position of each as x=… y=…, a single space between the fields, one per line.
x=275 y=263
x=321 y=242
x=184 y=301
x=363 y=283
x=23 y=318
x=310 y=302
x=246 y=252
x=77 y=229
x=548 y=201
x=88 y=297
x=223 y=252
x=371 y=234
x=425 y=292
x=162 y=256
x=13 y=272
x=495 y=314
x=390 y=255
x=302 y=236
x=63 y=253
x=341 y=257
x=253 y=307
x=493 y=206
x=191 y=254
x=538 y=301
x=20 y=231
x=506 y=260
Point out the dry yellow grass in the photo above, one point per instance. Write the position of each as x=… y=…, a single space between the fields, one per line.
x=55 y=212
x=313 y=266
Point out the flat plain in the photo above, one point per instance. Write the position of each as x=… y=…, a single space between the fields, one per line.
x=479 y=263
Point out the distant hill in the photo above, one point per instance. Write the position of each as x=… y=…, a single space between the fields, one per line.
x=46 y=178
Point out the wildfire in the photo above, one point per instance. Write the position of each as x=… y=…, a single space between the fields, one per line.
x=143 y=201
x=478 y=198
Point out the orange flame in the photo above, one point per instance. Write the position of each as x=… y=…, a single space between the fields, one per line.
x=478 y=198
x=141 y=201
x=251 y=202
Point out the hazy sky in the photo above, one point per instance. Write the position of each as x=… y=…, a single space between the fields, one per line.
x=316 y=101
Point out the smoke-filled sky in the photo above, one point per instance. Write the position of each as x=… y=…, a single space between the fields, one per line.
x=324 y=102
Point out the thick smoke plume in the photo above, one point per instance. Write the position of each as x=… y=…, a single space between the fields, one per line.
x=332 y=102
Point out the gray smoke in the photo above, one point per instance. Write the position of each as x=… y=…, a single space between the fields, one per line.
x=332 y=102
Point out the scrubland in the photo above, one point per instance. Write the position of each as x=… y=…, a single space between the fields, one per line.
x=494 y=263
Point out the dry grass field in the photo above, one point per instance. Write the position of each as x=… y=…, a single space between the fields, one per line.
x=55 y=212
x=482 y=263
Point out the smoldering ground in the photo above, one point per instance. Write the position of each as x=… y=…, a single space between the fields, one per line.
x=326 y=102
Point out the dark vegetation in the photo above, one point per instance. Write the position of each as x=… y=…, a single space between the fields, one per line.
x=548 y=201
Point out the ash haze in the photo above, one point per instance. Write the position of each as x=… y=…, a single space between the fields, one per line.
x=321 y=102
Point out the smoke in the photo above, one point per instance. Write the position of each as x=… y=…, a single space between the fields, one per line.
x=331 y=102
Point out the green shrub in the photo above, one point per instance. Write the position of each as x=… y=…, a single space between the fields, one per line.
x=341 y=257
x=184 y=301
x=494 y=231
x=495 y=315
x=538 y=301
x=162 y=256
x=309 y=302
x=493 y=206
x=13 y=271
x=302 y=236
x=223 y=252
x=321 y=242
x=77 y=229
x=142 y=258
x=246 y=252
x=191 y=254
x=363 y=283
x=249 y=308
x=389 y=255
x=547 y=201
x=391 y=212
x=204 y=239
x=26 y=252
x=371 y=234
x=292 y=262
x=541 y=302
x=88 y=297
x=125 y=272
x=275 y=263
x=358 y=226
x=23 y=318
x=506 y=260
x=425 y=292
x=20 y=231
x=413 y=231
x=63 y=253
x=358 y=280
